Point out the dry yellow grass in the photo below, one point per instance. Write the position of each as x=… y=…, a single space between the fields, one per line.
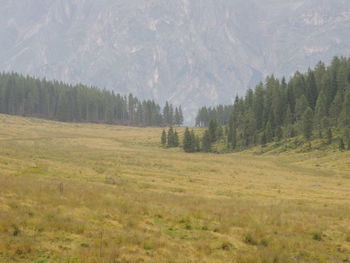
x=97 y=193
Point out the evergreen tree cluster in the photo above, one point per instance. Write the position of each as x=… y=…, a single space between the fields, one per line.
x=309 y=104
x=191 y=142
x=219 y=113
x=214 y=134
x=27 y=96
x=170 y=139
x=171 y=116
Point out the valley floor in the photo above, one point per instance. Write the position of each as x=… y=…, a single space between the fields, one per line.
x=101 y=194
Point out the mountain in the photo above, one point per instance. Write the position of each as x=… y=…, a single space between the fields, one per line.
x=194 y=53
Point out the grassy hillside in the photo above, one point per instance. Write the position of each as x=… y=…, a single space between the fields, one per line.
x=103 y=194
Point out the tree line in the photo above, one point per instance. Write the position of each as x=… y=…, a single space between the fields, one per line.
x=315 y=104
x=54 y=100
x=220 y=113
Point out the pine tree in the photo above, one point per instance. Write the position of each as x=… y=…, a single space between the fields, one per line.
x=164 y=138
x=301 y=106
x=193 y=141
x=171 y=137
x=187 y=144
x=269 y=132
x=307 y=123
x=176 y=139
x=320 y=111
x=213 y=126
x=177 y=117
x=166 y=113
x=311 y=90
x=336 y=108
x=345 y=113
x=171 y=115
x=206 y=142
x=231 y=134
x=289 y=116
x=181 y=117
x=249 y=128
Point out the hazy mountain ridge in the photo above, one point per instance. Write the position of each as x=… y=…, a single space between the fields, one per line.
x=189 y=52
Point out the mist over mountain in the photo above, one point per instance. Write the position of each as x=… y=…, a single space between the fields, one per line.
x=194 y=53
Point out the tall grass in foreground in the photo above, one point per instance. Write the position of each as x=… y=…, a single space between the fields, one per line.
x=91 y=193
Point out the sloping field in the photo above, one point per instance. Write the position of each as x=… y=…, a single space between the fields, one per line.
x=102 y=194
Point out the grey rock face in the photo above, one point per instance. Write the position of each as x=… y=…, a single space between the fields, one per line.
x=190 y=52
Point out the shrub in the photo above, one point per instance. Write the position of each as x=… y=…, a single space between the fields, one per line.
x=264 y=242
x=226 y=246
x=16 y=231
x=248 y=239
x=317 y=236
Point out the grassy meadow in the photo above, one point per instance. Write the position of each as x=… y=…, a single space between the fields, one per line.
x=88 y=193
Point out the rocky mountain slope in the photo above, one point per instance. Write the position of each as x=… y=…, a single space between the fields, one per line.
x=190 y=52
